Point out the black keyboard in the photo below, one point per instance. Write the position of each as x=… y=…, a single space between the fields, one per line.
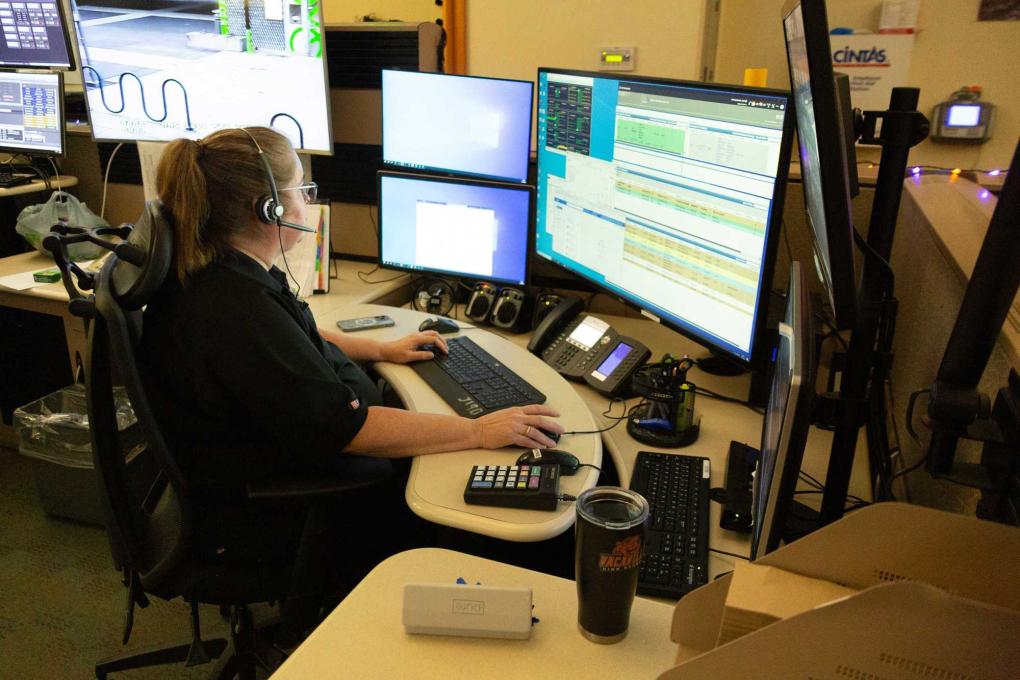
x=676 y=551
x=473 y=382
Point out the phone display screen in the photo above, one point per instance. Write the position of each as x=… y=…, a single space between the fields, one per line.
x=588 y=333
x=612 y=361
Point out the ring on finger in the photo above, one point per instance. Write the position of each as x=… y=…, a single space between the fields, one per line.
x=527 y=432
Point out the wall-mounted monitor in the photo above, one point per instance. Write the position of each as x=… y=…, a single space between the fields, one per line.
x=35 y=35
x=160 y=71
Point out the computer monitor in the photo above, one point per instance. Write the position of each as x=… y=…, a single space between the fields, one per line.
x=32 y=113
x=161 y=71
x=35 y=35
x=666 y=194
x=786 y=423
x=467 y=228
x=824 y=158
x=457 y=124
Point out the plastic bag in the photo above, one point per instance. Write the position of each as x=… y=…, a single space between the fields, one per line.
x=36 y=221
x=56 y=427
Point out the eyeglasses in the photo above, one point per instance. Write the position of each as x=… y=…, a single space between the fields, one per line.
x=310 y=191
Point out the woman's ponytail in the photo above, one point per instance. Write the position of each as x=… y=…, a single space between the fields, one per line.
x=181 y=183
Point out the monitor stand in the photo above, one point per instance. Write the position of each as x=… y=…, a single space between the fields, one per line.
x=717 y=364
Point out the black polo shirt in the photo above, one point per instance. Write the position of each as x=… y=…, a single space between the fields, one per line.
x=241 y=381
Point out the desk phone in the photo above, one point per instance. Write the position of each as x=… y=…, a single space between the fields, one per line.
x=585 y=348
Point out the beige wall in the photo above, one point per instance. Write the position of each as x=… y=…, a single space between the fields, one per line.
x=512 y=38
x=952 y=48
x=345 y=11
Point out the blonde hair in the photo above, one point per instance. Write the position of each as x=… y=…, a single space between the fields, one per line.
x=208 y=188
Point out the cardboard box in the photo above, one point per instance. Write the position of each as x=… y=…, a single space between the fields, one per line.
x=939 y=598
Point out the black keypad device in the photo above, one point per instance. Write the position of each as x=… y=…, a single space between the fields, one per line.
x=530 y=487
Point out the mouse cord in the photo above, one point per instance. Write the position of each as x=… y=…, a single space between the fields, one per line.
x=617 y=419
x=593 y=467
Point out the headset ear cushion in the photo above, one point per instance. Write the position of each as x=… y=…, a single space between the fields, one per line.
x=267 y=210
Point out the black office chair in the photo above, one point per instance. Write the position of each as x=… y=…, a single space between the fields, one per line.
x=152 y=538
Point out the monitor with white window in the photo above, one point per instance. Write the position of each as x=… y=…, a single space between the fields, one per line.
x=666 y=194
x=467 y=228
x=465 y=125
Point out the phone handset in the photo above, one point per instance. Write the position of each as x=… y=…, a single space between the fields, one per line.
x=558 y=318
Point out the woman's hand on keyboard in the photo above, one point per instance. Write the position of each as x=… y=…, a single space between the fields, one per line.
x=405 y=350
x=518 y=426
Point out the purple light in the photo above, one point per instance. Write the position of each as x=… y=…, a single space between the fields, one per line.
x=916 y=170
x=995 y=173
x=984 y=194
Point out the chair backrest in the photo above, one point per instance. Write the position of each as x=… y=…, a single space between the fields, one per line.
x=150 y=535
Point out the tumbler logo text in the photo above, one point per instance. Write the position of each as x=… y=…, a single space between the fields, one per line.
x=626 y=555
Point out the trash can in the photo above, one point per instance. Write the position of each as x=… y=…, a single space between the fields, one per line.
x=54 y=433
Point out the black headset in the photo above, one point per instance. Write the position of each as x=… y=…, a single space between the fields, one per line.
x=269 y=209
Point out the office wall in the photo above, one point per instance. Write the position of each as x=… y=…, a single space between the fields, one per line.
x=952 y=48
x=345 y=11
x=512 y=39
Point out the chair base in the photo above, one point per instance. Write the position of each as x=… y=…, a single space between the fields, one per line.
x=237 y=658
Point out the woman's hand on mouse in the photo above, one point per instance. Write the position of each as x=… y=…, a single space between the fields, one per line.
x=518 y=426
x=406 y=349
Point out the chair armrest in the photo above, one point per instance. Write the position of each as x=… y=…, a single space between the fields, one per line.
x=319 y=486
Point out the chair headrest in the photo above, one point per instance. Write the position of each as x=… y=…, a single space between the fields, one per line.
x=132 y=285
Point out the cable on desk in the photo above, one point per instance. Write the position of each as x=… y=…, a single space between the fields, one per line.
x=566 y=498
x=593 y=467
x=723 y=552
x=733 y=400
x=56 y=174
x=605 y=414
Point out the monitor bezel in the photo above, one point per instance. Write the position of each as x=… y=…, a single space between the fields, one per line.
x=303 y=151
x=796 y=420
x=841 y=289
x=66 y=29
x=758 y=332
x=16 y=150
x=470 y=181
x=441 y=172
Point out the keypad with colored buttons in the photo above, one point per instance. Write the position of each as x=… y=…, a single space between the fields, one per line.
x=531 y=487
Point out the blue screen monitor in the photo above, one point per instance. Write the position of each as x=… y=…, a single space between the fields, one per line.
x=32 y=113
x=467 y=228
x=457 y=124
x=666 y=194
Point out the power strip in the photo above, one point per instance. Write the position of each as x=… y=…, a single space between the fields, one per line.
x=470 y=611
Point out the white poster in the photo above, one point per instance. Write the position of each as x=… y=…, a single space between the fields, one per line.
x=876 y=63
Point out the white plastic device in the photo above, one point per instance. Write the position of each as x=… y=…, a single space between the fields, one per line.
x=470 y=611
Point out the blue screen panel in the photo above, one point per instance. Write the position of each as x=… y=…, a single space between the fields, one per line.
x=476 y=230
x=466 y=125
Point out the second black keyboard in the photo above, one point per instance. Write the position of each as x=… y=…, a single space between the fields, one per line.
x=473 y=382
x=676 y=549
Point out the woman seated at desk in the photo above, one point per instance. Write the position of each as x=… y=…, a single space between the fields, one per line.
x=245 y=384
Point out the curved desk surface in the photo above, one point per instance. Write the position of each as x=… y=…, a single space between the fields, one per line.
x=435 y=489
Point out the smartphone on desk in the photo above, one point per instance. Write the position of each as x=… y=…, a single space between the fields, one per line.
x=364 y=323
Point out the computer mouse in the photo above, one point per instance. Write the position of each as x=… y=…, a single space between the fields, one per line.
x=568 y=462
x=555 y=436
x=439 y=324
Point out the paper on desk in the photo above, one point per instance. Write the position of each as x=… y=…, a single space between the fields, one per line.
x=22 y=281
x=25 y=280
x=149 y=154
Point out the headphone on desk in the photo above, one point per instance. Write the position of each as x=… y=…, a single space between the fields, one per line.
x=269 y=209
